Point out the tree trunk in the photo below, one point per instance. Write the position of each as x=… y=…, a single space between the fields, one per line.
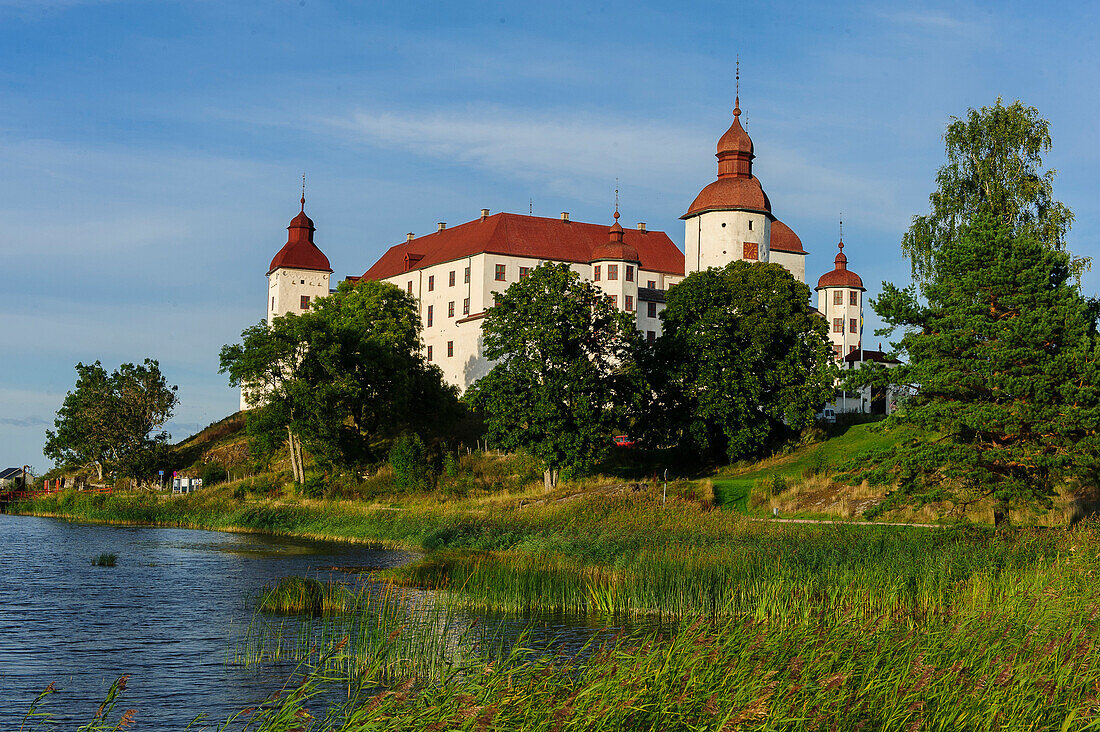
x=99 y=470
x=292 y=445
x=550 y=479
x=1000 y=514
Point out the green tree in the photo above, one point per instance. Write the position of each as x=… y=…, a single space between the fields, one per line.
x=1004 y=351
x=742 y=361
x=343 y=376
x=564 y=373
x=994 y=165
x=111 y=420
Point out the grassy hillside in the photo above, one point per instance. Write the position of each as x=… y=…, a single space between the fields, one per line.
x=733 y=488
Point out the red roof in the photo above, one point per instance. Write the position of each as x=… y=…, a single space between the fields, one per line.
x=300 y=252
x=868 y=355
x=783 y=239
x=736 y=188
x=841 y=276
x=518 y=235
x=731 y=193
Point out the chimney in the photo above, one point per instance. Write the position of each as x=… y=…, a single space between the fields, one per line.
x=442 y=225
x=410 y=236
x=565 y=216
x=641 y=226
x=484 y=214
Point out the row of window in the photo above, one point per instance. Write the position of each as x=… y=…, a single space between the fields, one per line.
x=501 y=275
x=429 y=316
x=838 y=325
x=450 y=350
x=613 y=273
x=838 y=350
x=838 y=297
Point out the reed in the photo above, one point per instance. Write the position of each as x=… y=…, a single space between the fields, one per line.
x=305 y=596
x=106 y=559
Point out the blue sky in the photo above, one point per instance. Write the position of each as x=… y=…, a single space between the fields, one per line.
x=150 y=152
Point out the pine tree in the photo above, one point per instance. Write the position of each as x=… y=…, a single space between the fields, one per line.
x=1004 y=352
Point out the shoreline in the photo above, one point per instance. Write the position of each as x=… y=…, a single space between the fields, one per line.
x=230 y=529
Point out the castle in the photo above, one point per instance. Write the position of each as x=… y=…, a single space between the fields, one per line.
x=454 y=272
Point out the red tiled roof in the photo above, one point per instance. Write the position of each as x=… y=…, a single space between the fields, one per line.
x=841 y=276
x=783 y=239
x=300 y=252
x=741 y=193
x=518 y=235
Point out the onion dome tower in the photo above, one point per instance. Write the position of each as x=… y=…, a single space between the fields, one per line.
x=731 y=218
x=840 y=300
x=615 y=267
x=299 y=272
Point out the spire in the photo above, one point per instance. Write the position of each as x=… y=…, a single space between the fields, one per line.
x=303 y=192
x=735 y=152
x=737 y=87
x=841 y=260
x=616 y=231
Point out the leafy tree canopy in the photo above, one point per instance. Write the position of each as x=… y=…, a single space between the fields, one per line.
x=994 y=166
x=742 y=360
x=343 y=375
x=111 y=420
x=1005 y=356
x=565 y=368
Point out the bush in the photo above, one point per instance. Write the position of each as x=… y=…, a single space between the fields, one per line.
x=212 y=474
x=409 y=461
x=314 y=487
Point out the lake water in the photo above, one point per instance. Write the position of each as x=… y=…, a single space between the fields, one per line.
x=165 y=614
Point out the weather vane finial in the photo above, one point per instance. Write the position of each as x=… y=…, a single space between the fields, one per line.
x=303 y=192
x=737 y=96
x=616 y=199
x=841 y=231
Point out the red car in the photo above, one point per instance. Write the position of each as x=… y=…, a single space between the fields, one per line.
x=624 y=441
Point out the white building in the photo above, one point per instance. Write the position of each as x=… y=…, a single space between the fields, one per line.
x=455 y=271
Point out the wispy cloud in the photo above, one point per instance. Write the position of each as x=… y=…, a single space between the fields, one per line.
x=32 y=421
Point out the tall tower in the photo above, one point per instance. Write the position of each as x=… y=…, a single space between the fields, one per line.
x=840 y=300
x=299 y=273
x=731 y=218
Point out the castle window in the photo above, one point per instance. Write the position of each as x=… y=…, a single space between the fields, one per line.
x=751 y=250
x=853 y=298
x=431 y=282
x=596 y=273
x=410 y=287
x=838 y=297
x=466 y=306
x=523 y=271
x=629 y=273
x=303 y=282
x=305 y=302
x=466 y=276
x=652 y=284
x=838 y=325
x=612 y=272
x=629 y=303
x=450 y=348
x=750 y=224
x=651 y=309
x=650 y=336
x=852 y=349
x=613 y=300
x=500 y=273
x=836 y=351
x=451 y=279
x=430 y=317
x=429 y=353
x=273 y=303
x=852 y=325
x=451 y=309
